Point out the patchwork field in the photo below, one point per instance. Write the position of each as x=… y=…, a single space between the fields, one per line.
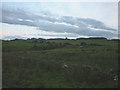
x=60 y=64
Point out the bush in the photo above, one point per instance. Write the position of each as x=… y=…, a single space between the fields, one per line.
x=67 y=43
x=83 y=44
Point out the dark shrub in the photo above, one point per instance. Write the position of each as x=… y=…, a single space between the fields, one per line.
x=67 y=44
x=83 y=44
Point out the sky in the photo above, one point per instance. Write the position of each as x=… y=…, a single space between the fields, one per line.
x=59 y=20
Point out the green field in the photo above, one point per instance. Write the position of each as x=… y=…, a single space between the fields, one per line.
x=36 y=64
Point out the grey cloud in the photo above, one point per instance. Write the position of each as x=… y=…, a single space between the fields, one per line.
x=56 y=35
x=45 y=21
x=84 y=22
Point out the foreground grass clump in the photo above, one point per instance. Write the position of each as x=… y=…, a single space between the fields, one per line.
x=60 y=64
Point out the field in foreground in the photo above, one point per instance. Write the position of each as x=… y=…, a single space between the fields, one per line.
x=60 y=64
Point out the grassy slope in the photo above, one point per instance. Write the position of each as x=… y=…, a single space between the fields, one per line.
x=23 y=67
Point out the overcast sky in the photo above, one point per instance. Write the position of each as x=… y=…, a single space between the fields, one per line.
x=59 y=20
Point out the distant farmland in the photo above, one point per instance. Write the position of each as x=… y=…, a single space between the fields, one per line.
x=66 y=63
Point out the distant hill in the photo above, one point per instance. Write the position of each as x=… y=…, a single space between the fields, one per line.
x=100 y=38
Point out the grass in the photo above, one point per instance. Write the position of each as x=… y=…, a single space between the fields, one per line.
x=40 y=65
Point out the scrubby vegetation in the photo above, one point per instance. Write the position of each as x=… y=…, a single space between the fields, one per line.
x=40 y=63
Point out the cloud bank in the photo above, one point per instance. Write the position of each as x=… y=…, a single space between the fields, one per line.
x=48 y=22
